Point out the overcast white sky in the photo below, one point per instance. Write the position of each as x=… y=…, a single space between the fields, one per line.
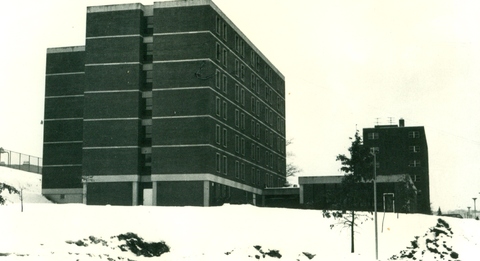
x=346 y=63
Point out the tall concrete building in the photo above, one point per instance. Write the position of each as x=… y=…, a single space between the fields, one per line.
x=402 y=150
x=166 y=104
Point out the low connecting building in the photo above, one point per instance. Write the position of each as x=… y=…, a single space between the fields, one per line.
x=395 y=193
x=165 y=104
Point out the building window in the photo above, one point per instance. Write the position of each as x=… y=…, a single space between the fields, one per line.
x=218 y=162
x=414 y=163
x=225 y=83
x=253 y=82
x=242 y=72
x=225 y=110
x=237 y=93
x=373 y=136
x=374 y=150
x=258 y=85
x=252 y=149
x=217 y=106
x=271 y=139
x=218 y=77
x=225 y=57
x=237 y=43
x=225 y=29
x=237 y=68
x=218 y=27
x=258 y=130
x=242 y=148
x=267 y=93
x=242 y=171
x=242 y=121
x=266 y=114
x=237 y=144
x=252 y=58
x=414 y=149
x=258 y=108
x=253 y=175
x=237 y=118
x=218 y=134
x=242 y=96
x=253 y=128
x=237 y=169
x=416 y=178
x=267 y=161
x=267 y=139
x=377 y=165
x=225 y=165
x=413 y=134
x=224 y=137
x=218 y=52
x=252 y=100
x=258 y=176
x=258 y=154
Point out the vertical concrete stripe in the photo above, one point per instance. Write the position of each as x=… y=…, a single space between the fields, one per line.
x=85 y=193
x=254 y=199
x=134 y=193
x=154 y=193
x=301 y=194
x=206 y=193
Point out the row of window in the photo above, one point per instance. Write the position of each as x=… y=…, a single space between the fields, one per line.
x=221 y=136
x=221 y=81
x=411 y=164
x=221 y=54
x=221 y=108
x=376 y=136
x=412 y=149
x=240 y=173
x=221 y=28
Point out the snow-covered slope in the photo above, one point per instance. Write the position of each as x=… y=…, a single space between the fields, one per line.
x=31 y=183
x=230 y=232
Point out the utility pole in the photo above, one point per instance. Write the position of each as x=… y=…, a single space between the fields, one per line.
x=374 y=153
x=474 y=208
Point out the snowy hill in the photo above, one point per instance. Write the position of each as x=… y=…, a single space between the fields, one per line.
x=231 y=232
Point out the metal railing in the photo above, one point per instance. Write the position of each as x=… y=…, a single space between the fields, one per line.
x=17 y=160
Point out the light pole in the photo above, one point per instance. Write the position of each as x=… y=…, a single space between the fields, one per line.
x=375 y=199
x=474 y=208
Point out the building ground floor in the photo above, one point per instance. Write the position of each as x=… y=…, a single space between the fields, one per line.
x=158 y=190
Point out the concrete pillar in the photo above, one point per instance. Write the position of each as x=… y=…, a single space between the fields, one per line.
x=301 y=194
x=84 y=200
x=154 y=193
x=254 y=199
x=206 y=193
x=135 y=193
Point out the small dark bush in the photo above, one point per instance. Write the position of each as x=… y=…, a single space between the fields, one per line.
x=139 y=247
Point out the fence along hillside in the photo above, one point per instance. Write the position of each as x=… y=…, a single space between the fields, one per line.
x=17 y=160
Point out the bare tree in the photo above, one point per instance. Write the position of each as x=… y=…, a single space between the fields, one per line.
x=292 y=169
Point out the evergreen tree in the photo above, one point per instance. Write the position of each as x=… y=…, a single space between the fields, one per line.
x=358 y=169
x=439 y=212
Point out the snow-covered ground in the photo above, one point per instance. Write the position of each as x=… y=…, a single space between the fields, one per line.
x=46 y=231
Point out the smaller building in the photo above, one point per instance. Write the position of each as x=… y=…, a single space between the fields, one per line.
x=395 y=193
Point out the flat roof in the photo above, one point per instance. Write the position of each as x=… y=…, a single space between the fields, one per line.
x=67 y=49
x=338 y=179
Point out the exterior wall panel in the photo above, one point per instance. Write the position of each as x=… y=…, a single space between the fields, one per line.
x=114 y=161
x=113 y=78
x=61 y=177
x=57 y=85
x=111 y=133
x=115 y=193
x=112 y=105
x=180 y=193
x=114 y=23
x=60 y=131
